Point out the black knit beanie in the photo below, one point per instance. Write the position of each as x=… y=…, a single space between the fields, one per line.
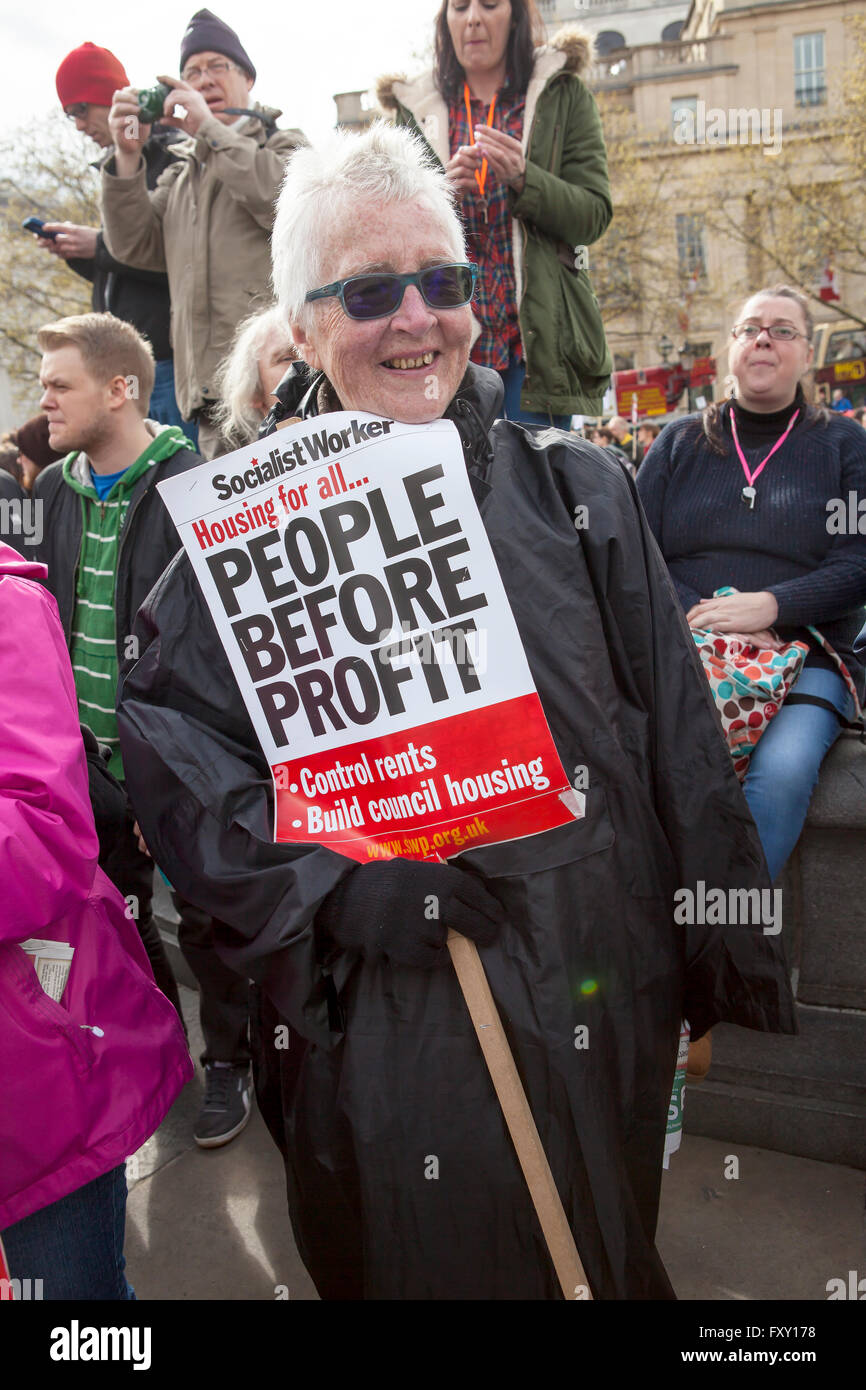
x=207 y=34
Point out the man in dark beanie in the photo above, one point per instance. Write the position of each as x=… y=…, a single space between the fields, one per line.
x=86 y=82
x=208 y=222
x=205 y=33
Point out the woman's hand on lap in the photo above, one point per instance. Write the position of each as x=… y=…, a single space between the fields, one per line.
x=752 y=614
x=766 y=640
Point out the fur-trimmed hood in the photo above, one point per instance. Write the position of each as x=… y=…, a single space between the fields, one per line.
x=576 y=43
x=384 y=89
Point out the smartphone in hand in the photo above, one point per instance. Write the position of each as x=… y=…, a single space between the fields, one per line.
x=37 y=227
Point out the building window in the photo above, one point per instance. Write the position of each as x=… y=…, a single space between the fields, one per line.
x=609 y=41
x=845 y=345
x=671 y=32
x=810 y=86
x=684 y=105
x=690 y=245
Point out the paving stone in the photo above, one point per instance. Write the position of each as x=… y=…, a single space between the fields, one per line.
x=214 y=1224
x=781 y=1229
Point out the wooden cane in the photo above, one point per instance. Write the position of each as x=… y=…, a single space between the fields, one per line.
x=518 y=1116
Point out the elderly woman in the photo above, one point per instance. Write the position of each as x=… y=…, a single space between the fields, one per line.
x=742 y=496
x=382 y=1069
x=247 y=377
x=519 y=136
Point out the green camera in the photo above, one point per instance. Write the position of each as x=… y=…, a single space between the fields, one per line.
x=151 y=101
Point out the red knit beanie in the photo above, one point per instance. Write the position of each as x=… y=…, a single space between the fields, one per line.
x=91 y=74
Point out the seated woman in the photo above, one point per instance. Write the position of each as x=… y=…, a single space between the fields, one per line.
x=382 y=1066
x=740 y=496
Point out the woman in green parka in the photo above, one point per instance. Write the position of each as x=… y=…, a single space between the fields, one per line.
x=519 y=135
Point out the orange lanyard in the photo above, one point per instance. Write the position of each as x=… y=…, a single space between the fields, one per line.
x=480 y=175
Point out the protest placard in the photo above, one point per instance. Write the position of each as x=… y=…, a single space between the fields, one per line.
x=352 y=583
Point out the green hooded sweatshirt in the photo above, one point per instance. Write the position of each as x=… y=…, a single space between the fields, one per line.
x=93 y=647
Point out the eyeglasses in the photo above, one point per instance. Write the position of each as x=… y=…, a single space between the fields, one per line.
x=781 y=332
x=377 y=296
x=77 y=110
x=215 y=69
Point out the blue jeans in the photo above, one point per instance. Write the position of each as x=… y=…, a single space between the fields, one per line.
x=512 y=380
x=163 y=407
x=75 y=1245
x=784 y=767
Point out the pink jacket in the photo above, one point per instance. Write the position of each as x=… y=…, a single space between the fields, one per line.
x=83 y=1082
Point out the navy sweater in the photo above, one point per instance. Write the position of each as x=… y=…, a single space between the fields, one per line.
x=709 y=537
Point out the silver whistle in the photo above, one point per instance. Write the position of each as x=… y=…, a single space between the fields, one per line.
x=748 y=495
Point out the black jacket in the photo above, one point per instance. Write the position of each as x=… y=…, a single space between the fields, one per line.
x=139 y=297
x=10 y=516
x=382 y=1068
x=148 y=541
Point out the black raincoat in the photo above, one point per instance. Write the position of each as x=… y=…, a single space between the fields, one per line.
x=403 y=1183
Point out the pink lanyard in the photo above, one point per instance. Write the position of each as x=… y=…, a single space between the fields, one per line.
x=748 y=493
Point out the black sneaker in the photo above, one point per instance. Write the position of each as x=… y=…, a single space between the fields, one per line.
x=226 y=1108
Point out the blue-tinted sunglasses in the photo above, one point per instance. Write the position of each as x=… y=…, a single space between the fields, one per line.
x=380 y=293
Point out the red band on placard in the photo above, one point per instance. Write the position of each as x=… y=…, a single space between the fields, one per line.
x=487 y=775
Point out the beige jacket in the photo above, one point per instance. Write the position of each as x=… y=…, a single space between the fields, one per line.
x=208 y=224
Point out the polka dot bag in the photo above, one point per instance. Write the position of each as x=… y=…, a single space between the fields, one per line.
x=748 y=685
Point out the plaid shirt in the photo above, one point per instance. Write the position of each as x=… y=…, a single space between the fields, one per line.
x=495 y=303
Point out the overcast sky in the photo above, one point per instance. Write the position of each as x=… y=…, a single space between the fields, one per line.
x=304 y=50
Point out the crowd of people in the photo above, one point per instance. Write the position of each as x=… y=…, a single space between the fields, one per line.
x=242 y=280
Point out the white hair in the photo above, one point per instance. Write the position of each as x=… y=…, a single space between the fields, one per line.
x=385 y=164
x=237 y=378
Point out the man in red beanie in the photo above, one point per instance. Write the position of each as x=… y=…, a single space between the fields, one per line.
x=86 y=81
x=208 y=223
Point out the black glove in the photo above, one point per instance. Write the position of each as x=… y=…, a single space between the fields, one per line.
x=107 y=797
x=402 y=909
